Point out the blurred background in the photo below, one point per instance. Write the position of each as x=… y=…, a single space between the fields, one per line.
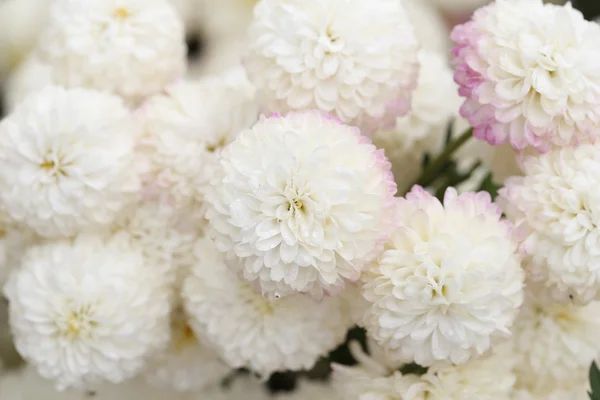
x=216 y=32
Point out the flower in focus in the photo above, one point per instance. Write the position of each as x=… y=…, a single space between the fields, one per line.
x=530 y=74
x=249 y=331
x=556 y=211
x=350 y=58
x=308 y=212
x=68 y=161
x=88 y=310
x=186 y=128
x=555 y=344
x=129 y=47
x=448 y=281
x=187 y=364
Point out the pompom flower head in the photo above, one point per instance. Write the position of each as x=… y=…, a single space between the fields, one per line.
x=556 y=209
x=448 y=281
x=68 y=161
x=530 y=74
x=129 y=47
x=252 y=332
x=304 y=201
x=88 y=310
x=350 y=58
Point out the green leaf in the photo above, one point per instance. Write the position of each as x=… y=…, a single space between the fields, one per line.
x=413 y=368
x=488 y=185
x=594 y=382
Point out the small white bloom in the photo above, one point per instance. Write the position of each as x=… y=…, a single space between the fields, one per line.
x=252 y=332
x=30 y=77
x=21 y=22
x=88 y=310
x=350 y=58
x=186 y=128
x=555 y=344
x=68 y=161
x=129 y=47
x=187 y=364
x=556 y=211
x=304 y=200
x=448 y=281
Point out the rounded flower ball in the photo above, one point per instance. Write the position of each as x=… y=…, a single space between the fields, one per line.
x=448 y=281
x=88 y=310
x=556 y=209
x=129 y=47
x=249 y=331
x=555 y=344
x=350 y=58
x=68 y=161
x=187 y=126
x=530 y=74
x=304 y=201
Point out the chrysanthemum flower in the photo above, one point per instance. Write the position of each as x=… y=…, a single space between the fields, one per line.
x=186 y=128
x=556 y=210
x=448 y=281
x=346 y=57
x=88 y=310
x=68 y=161
x=187 y=364
x=530 y=74
x=555 y=344
x=304 y=200
x=250 y=331
x=129 y=47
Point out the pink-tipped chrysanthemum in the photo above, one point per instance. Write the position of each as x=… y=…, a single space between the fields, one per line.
x=530 y=74
x=448 y=281
x=304 y=201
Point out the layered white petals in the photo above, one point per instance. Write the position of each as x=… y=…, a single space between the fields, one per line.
x=129 y=47
x=556 y=210
x=250 y=331
x=88 y=310
x=304 y=201
x=68 y=161
x=351 y=58
x=448 y=281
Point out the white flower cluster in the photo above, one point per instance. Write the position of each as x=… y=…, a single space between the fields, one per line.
x=296 y=217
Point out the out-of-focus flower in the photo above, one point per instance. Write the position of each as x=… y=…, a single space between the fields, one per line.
x=530 y=74
x=556 y=210
x=354 y=59
x=448 y=281
x=68 y=161
x=88 y=310
x=30 y=77
x=252 y=332
x=129 y=47
x=304 y=201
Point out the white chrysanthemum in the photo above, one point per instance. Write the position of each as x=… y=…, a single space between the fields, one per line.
x=304 y=201
x=430 y=28
x=166 y=235
x=530 y=74
x=556 y=211
x=129 y=47
x=186 y=128
x=31 y=76
x=435 y=103
x=555 y=343
x=447 y=282
x=350 y=58
x=578 y=391
x=68 y=161
x=187 y=364
x=251 y=331
x=27 y=384
x=310 y=390
x=21 y=22
x=88 y=310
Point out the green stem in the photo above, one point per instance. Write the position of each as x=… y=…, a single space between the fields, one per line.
x=434 y=168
